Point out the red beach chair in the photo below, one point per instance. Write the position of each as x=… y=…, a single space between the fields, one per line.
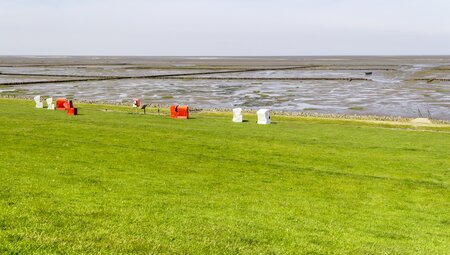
x=179 y=112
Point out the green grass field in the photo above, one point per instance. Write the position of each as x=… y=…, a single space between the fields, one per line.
x=111 y=182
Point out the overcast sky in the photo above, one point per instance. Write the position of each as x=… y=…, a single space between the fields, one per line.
x=224 y=27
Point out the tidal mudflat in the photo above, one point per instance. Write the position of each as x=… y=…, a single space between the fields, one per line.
x=391 y=86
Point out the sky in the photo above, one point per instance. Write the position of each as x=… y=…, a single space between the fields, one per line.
x=224 y=27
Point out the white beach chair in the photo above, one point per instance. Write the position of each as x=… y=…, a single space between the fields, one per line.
x=37 y=100
x=263 y=116
x=50 y=105
x=237 y=115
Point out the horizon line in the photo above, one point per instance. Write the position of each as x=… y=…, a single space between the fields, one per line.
x=231 y=56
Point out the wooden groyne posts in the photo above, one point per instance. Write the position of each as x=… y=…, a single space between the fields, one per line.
x=182 y=76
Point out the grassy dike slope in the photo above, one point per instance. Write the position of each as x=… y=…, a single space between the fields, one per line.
x=112 y=182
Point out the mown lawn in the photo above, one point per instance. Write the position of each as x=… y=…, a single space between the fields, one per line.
x=110 y=182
